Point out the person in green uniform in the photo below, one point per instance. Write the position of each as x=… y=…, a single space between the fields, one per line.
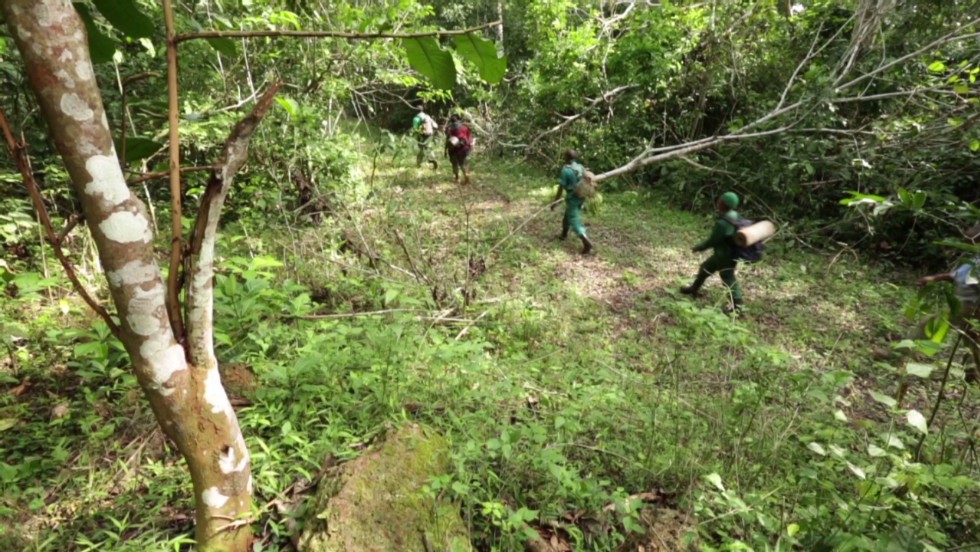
x=571 y=175
x=722 y=259
x=424 y=128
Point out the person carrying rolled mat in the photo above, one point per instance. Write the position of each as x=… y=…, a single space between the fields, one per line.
x=722 y=260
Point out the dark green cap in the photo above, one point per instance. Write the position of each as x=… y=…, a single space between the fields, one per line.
x=730 y=199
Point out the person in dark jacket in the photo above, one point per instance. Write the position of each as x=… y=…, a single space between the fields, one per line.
x=459 y=142
x=722 y=259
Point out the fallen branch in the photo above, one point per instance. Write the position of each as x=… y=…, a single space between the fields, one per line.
x=522 y=225
x=354 y=314
x=592 y=105
x=653 y=155
x=428 y=317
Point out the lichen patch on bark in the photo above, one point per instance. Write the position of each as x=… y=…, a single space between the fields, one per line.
x=213 y=497
x=107 y=178
x=215 y=394
x=165 y=358
x=227 y=461
x=126 y=227
x=83 y=69
x=75 y=107
x=134 y=273
x=143 y=324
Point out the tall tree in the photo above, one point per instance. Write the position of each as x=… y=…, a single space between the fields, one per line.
x=180 y=380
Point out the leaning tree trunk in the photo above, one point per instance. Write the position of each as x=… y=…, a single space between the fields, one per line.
x=188 y=399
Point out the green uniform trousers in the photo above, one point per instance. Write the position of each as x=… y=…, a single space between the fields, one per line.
x=725 y=267
x=425 y=150
x=573 y=215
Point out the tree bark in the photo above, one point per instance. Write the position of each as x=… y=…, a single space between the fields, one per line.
x=189 y=401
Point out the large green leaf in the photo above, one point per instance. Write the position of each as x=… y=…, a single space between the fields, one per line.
x=100 y=46
x=483 y=54
x=225 y=46
x=289 y=105
x=138 y=148
x=125 y=16
x=427 y=57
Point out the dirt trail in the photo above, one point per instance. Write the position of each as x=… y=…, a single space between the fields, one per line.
x=642 y=255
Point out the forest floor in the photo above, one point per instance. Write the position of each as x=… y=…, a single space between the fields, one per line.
x=586 y=400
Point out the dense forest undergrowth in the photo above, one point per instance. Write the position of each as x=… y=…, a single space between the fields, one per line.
x=588 y=404
x=584 y=397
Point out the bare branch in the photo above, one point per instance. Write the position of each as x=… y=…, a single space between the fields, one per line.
x=607 y=96
x=898 y=94
x=326 y=34
x=151 y=176
x=73 y=221
x=945 y=39
x=200 y=290
x=809 y=56
x=694 y=163
x=17 y=152
x=682 y=150
x=176 y=194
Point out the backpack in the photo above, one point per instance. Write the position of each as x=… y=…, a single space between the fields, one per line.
x=456 y=131
x=422 y=125
x=748 y=254
x=586 y=187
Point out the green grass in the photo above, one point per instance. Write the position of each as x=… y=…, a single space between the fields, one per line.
x=565 y=384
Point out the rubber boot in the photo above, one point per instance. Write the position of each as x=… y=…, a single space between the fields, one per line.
x=691 y=290
x=586 y=246
x=564 y=234
x=435 y=164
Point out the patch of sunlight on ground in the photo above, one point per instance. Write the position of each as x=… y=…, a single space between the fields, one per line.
x=543 y=192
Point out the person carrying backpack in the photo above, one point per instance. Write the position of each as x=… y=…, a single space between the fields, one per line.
x=571 y=177
x=424 y=127
x=458 y=146
x=723 y=259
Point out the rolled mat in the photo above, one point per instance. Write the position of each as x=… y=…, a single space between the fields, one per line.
x=751 y=235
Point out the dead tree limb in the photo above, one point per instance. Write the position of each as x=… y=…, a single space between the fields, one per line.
x=607 y=96
x=798 y=108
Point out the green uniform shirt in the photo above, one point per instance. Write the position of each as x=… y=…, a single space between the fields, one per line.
x=571 y=174
x=722 y=238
